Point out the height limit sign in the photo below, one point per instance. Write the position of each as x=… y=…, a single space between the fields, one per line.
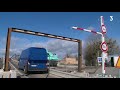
x=104 y=47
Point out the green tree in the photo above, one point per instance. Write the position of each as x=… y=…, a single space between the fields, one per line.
x=92 y=49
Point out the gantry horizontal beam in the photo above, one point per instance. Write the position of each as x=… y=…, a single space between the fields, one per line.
x=44 y=34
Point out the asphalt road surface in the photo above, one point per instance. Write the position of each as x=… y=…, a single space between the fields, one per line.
x=109 y=71
x=31 y=74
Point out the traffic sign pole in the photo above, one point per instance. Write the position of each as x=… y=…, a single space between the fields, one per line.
x=103 y=57
x=103 y=40
x=103 y=28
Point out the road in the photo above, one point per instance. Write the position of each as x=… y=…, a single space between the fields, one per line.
x=94 y=70
x=109 y=71
x=21 y=74
x=58 y=74
x=53 y=73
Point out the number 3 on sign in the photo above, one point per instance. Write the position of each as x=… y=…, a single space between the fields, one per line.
x=111 y=18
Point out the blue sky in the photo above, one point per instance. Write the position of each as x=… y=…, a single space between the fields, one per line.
x=57 y=23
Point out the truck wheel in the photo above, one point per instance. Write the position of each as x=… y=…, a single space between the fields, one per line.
x=25 y=70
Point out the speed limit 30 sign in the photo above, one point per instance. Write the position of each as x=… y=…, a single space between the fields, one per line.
x=104 y=47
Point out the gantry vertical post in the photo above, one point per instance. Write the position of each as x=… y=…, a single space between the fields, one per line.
x=7 y=49
x=80 y=56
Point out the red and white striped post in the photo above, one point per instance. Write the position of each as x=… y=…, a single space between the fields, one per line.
x=103 y=44
x=104 y=52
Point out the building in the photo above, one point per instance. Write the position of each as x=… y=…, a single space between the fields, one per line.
x=70 y=60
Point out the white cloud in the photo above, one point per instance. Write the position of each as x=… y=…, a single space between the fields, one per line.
x=16 y=45
x=83 y=43
x=36 y=44
x=60 y=47
x=2 y=51
x=14 y=51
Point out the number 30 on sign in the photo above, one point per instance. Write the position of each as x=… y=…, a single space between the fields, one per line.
x=104 y=47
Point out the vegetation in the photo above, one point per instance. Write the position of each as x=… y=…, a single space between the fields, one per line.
x=92 y=49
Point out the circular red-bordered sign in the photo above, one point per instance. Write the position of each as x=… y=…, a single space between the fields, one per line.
x=104 y=47
x=103 y=29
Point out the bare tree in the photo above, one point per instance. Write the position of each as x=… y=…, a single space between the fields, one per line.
x=92 y=49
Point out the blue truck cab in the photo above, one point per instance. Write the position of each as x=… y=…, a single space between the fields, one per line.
x=33 y=59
